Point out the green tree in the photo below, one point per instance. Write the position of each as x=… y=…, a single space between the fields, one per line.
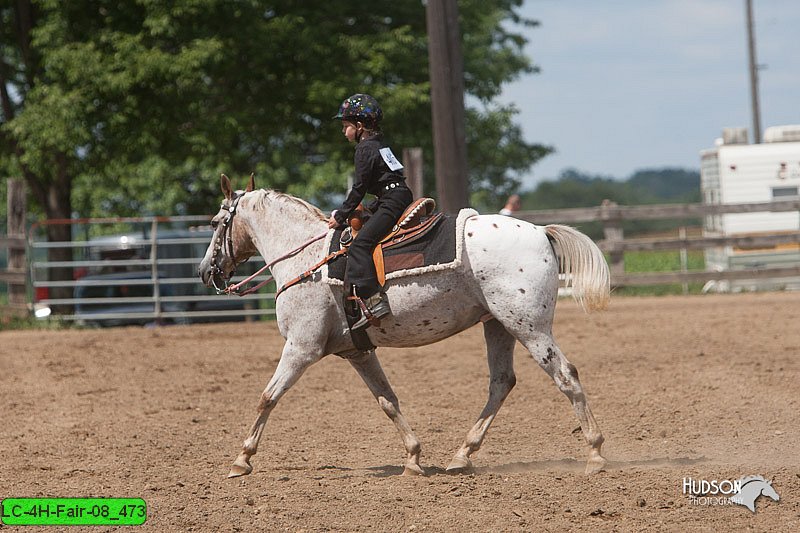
x=135 y=107
x=648 y=186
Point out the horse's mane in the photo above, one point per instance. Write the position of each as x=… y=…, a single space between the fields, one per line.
x=748 y=479
x=280 y=196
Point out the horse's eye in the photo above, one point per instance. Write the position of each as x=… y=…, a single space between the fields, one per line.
x=214 y=223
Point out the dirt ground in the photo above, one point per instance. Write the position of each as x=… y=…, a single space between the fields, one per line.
x=704 y=387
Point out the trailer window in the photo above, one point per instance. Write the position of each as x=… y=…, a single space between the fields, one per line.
x=784 y=192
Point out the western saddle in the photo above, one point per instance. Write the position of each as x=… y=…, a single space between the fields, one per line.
x=415 y=222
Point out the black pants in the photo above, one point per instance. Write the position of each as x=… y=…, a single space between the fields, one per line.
x=360 y=270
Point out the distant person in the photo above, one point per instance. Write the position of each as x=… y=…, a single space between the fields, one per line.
x=512 y=205
x=378 y=172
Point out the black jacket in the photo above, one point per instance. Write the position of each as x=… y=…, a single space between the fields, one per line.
x=371 y=176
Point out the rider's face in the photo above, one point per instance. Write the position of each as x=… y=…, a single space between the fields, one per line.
x=349 y=130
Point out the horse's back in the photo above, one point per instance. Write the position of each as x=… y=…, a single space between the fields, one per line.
x=507 y=266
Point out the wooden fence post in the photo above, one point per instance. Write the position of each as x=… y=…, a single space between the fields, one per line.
x=684 y=255
x=17 y=297
x=412 y=161
x=612 y=230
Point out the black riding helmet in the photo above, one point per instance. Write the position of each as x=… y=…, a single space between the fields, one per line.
x=361 y=108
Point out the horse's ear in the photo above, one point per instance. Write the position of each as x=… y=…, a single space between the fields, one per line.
x=252 y=184
x=225 y=185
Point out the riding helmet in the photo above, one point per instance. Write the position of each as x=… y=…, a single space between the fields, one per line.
x=360 y=108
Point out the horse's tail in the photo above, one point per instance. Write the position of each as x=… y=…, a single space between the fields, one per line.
x=583 y=265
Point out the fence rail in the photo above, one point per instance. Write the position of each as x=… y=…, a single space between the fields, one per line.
x=611 y=216
x=14 y=242
x=10 y=275
x=611 y=211
x=144 y=274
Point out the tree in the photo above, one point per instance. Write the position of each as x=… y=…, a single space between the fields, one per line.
x=648 y=186
x=135 y=107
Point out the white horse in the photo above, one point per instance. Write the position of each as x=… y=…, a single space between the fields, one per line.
x=508 y=279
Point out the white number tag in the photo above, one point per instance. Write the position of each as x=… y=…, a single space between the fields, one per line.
x=390 y=159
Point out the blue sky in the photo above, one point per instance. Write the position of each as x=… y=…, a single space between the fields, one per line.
x=632 y=84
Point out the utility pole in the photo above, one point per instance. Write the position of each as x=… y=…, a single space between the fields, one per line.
x=446 y=67
x=751 y=47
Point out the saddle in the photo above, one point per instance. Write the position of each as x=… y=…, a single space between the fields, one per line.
x=415 y=222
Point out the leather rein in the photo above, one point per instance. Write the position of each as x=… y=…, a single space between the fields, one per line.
x=227 y=235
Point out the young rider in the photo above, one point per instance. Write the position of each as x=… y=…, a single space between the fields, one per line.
x=378 y=172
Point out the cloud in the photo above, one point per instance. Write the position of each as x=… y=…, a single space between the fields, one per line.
x=640 y=83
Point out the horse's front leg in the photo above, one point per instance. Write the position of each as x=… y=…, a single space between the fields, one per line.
x=369 y=368
x=500 y=351
x=295 y=359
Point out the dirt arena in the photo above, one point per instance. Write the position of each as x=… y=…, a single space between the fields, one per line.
x=702 y=387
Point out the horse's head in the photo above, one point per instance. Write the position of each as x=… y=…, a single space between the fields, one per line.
x=768 y=490
x=231 y=244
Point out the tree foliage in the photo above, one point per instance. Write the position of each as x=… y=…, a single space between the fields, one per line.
x=136 y=107
x=647 y=186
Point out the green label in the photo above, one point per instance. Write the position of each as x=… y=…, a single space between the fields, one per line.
x=73 y=511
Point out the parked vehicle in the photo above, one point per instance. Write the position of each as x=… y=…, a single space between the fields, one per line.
x=736 y=172
x=114 y=283
x=128 y=299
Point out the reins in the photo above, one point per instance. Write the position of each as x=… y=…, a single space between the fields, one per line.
x=227 y=235
x=234 y=289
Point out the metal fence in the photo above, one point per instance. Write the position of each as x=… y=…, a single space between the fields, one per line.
x=134 y=271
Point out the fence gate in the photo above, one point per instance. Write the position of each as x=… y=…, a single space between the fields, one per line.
x=135 y=271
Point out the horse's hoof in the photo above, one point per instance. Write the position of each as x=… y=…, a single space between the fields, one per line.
x=459 y=465
x=241 y=467
x=413 y=470
x=595 y=464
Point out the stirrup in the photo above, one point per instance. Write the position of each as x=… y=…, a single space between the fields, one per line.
x=373 y=309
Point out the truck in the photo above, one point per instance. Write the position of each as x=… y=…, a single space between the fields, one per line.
x=735 y=172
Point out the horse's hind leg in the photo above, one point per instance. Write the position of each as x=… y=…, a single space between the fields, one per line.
x=500 y=351
x=369 y=368
x=294 y=361
x=549 y=356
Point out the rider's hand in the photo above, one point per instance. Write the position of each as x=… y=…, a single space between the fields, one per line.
x=332 y=223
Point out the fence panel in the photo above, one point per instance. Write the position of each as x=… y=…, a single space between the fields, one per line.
x=136 y=271
x=611 y=216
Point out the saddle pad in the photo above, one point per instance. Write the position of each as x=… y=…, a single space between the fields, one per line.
x=439 y=249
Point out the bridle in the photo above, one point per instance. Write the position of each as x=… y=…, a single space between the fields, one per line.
x=227 y=235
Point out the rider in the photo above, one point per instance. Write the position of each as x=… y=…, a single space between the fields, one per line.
x=378 y=172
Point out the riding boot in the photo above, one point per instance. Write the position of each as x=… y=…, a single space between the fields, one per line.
x=377 y=306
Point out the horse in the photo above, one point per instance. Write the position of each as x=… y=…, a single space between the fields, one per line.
x=751 y=488
x=508 y=279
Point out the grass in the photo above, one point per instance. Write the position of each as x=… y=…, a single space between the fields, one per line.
x=665 y=261
x=15 y=321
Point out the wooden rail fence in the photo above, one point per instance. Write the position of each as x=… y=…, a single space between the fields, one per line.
x=611 y=216
x=15 y=274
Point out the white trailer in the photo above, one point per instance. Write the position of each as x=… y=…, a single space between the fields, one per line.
x=734 y=172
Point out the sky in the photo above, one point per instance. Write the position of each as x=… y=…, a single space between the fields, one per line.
x=632 y=84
